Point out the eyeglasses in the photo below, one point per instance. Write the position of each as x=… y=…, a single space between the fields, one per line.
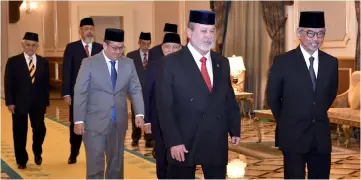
x=173 y=47
x=312 y=34
x=117 y=48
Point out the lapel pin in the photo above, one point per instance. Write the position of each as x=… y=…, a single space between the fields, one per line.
x=217 y=65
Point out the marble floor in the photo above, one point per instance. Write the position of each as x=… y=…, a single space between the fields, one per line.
x=263 y=160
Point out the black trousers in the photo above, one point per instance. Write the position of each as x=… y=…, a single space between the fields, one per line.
x=318 y=164
x=210 y=172
x=137 y=132
x=20 y=131
x=75 y=140
x=160 y=151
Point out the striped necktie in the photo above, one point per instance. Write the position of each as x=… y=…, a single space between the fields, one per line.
x=31 y=69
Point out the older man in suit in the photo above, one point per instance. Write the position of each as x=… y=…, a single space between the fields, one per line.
x=196 y=104
x=141 y=58
x=302 y=85
x=74 y=53
x=100 y=106
x=156 y=52
x=27 y=93
x=171 y=43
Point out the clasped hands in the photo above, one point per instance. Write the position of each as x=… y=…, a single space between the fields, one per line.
x=79 y=128
x=178 y=151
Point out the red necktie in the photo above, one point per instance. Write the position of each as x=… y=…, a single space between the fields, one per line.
x=205 y=74
x=145 y=60
x=87 y=50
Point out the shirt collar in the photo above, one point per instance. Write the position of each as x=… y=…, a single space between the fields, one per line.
x=307 y=55
x=107 y=59
x=196 y=55
x=89 y=45
x=27 y=56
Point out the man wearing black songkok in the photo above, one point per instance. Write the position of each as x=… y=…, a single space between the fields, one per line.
x=302 y=85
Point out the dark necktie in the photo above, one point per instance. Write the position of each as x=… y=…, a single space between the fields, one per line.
x=31 y=69
x=145 y=60
x=312 y=73
x=87 y=50
x=113 y=76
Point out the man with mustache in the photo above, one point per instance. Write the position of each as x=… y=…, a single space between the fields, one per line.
x=171 y=43
x=302 y=86
x=156 y=52
x=27 y=94
x=196 y=104
x=74 y=53
x=141 y=58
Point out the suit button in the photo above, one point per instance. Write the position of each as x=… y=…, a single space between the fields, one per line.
x=202 y=114
x=191 y=99
x=314 y=103
x=313 y=121
x=218 y=117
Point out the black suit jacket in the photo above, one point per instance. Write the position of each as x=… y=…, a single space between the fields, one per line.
x=138 y=63
x=73 y=55
x=20 y=91
x=191 y=115
x=156 y=53
x=301 y=113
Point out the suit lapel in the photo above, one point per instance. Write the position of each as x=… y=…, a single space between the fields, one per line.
x=38 y=68
x=119 y=78
x=195 y=75
x=216 y=72
x=321 y=72
x=301 y=63
x=103 y=69
x=83 y=48
x=94 y=49
x=24 y=65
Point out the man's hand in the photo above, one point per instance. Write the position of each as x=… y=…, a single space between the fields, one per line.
x=235 y=141
x=178 y=151
x=67 y=99
x=139 y=121
x=11 y=108
x=148 y=128
x=79 y=129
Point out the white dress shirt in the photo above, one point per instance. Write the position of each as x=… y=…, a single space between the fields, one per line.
x=142 y=55
x=307 y=56
x=197 y=57
x=107 y=61
x=90 y=45
x=27 y=58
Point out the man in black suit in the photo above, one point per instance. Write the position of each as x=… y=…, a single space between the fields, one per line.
x=141 y=58
x=196 y=104
x=27 y=93
x=156 y=52
x=171 y=43
x=302 y=85
x=74 y=53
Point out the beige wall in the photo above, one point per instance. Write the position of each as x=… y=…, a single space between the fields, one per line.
x=28 y=22
x=4 y=42
x=57 y=22
x=341 y=26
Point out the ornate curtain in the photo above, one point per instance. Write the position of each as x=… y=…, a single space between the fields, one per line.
x=357 y=56
x=221 y=8
x=274 y=17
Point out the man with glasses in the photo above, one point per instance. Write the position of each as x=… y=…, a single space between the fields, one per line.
x=74 y=53
x=27 y=93
x=171 y=43
x=302 y=86
x=100 y=106
x=156 y=52
x=141 y=59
